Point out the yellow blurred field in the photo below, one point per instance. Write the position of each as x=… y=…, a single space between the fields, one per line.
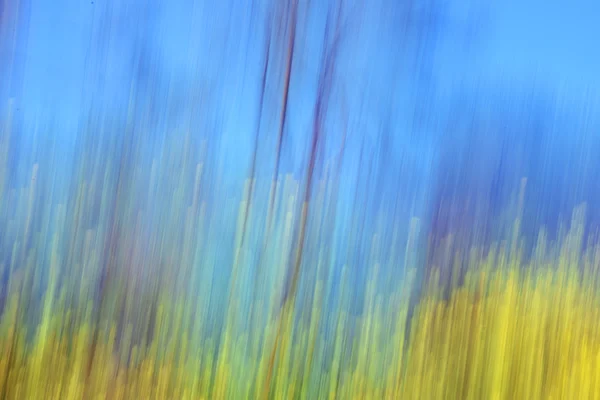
x=512 y=330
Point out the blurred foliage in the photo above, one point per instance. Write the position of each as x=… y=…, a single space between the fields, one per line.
x=158 y=326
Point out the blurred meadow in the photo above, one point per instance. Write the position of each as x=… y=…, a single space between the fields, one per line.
x=316 y=199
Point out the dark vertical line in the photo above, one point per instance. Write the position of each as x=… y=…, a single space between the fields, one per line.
x=323 y=93
x=284 y=108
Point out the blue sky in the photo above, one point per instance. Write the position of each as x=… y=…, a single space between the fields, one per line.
x=391 y=68
x=550 y=42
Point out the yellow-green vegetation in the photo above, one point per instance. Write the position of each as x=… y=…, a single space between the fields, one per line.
x=146 y=280
x=511 y=329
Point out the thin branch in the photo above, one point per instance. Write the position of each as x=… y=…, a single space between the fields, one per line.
x=284 y=109
x=330 y=52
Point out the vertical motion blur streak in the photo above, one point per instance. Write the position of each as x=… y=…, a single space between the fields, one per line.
x=342 y=199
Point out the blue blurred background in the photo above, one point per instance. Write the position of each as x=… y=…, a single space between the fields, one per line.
x=436 y=109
